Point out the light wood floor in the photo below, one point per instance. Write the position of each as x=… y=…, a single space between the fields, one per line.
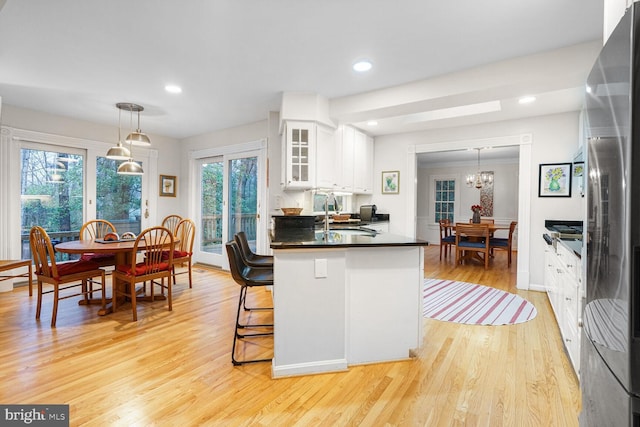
x=174 y=368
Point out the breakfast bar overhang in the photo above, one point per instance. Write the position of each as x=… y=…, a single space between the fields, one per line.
x=345 y=297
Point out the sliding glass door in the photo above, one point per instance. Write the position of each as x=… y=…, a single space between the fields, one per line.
x=229 y=202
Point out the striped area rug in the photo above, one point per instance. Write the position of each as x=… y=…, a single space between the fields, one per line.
x=473 y=304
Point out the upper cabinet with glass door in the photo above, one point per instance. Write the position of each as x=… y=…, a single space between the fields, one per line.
x=309 y=156
x=298 y=155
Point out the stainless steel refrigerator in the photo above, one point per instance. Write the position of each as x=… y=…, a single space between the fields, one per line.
x=610 y=348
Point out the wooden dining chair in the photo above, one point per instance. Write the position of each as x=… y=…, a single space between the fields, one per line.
x=183 y=252
x=155 y=267
x=171 y=222
x=70 y=274
x=447 y=239
x=472 y=238
x=484 y=221
x=247 y=277
x=505 y=244
x=97 y=229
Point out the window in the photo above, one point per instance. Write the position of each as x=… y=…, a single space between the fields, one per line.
x=445 y=198
x=118 y=197
x=51 y=196
x=336 y=203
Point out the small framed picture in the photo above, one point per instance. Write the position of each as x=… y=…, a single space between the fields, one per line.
x=390 y=182
x=555 y=180
x=167 y=186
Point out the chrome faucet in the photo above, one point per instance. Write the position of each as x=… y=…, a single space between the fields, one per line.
x=326 y=211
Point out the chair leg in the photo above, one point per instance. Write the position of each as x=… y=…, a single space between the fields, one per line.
x=39 y=304
x=237 y=335
x=244 y=303
x=132 y=293
x=243 y=299
x=54 y=313
x=190 y=278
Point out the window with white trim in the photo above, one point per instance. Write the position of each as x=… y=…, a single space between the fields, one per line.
x=444 y=199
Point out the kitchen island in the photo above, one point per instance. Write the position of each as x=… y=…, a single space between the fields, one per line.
x=345 y=297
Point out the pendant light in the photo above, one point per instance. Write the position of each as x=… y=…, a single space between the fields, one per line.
x=479 y=180
x=137 y=137
x=119 y=152
x=129 y=167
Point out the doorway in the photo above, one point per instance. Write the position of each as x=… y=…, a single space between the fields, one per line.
x=229 y=200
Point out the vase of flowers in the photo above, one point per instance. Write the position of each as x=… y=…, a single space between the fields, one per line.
x=476 y=213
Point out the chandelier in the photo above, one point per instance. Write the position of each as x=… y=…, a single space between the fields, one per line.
x=479 y=179
x=120 y=152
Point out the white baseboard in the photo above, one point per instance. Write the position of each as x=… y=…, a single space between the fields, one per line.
x=338 y=365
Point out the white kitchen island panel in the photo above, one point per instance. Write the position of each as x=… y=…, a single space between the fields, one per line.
x=364 y=307
x=384 y=311
x=309 y=313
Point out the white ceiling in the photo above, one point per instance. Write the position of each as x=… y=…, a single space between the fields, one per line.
x=234 y=58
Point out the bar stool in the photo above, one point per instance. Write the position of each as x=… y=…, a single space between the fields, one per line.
x=247 y=277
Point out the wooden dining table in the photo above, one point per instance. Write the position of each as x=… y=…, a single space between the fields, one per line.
x=492 y=229
x=122 y=249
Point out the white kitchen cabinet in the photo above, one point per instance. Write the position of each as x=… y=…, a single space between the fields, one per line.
x=355 y=163
x=315 y=156
x=344 y=165
x=563 y=281
x=363 y=164
x=325 y=157
x=298 y=155
x=309 y=156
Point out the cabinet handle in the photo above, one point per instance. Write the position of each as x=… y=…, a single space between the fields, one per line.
x=567 y=340
x=580 y=323
x=567 y=299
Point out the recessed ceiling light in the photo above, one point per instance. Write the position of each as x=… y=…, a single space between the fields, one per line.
x=372 y=123
x=526 y=99
x=362 y=66
x=173 y=89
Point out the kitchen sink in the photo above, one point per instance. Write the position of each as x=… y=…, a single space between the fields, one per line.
x=352 y=231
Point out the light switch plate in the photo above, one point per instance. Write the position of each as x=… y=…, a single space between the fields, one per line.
x=321 y=268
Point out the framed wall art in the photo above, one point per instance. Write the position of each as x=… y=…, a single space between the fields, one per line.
x=390 y=182
x=555 y=180
x=167 y=186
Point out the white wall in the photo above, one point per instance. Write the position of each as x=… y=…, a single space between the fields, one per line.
x=555 y=139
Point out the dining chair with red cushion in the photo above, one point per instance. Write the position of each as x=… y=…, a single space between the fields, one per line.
x=70 y=274
x=98 y=229
x=185 y=234
x=154 y=268
x=171 y=222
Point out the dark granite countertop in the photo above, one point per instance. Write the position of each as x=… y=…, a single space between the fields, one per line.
x=353 y=237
